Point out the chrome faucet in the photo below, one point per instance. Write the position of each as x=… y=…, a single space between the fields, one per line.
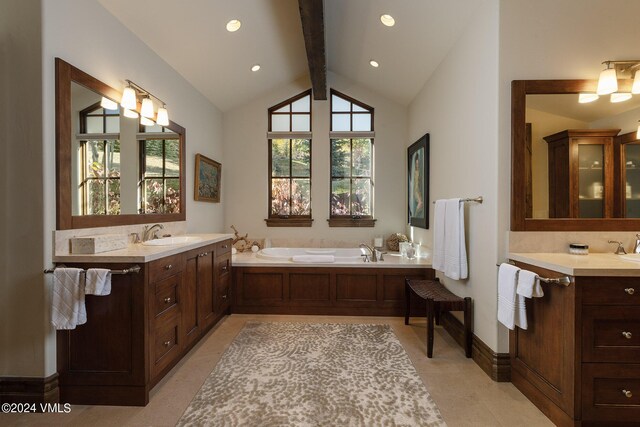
x=150 y=232
x=374 y=257
x=620 y=249
x=636 y=250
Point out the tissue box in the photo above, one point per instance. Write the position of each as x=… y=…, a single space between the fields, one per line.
x=98 y=244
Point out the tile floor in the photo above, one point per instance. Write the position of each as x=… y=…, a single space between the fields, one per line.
x=465 y=394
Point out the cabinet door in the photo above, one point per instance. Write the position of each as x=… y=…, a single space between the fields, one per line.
x=595 y=176
x=222 y=280
x=206 y=287
x=190 y=322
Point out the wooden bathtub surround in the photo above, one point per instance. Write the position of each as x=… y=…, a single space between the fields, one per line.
x=134 y=336
x=581 y=353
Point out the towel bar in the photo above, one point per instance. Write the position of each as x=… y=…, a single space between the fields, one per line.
x=135 y=269
x=564 y=281
x=478 y=199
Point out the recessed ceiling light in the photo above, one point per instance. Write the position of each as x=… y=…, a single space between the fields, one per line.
x=255 y=67
x=374 y=64
x=388 y=20
x=233 y=25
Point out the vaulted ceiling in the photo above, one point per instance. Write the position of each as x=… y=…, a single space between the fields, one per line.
x=191 y=37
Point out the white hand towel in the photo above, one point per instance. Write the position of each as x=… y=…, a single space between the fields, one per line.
x=313 y=259
x=511 y=308
x=529 y=284
x=98 y=281
x=438 y=236
x=455 y=251
x=68 y=309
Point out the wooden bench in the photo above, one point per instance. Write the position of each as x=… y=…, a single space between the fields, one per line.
x=438 y=299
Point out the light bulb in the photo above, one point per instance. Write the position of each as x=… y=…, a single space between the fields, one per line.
x=388 y=20
x=620 y=96
x=146 y=122
x=128 y=98
x=255 y=67
x=608 y=82
x=108 y=104
x=147 y=108
x=636 y=84
x=163 y=116
x=584 y=98
x=374 y=64
x=233 y=25
x=130 y=114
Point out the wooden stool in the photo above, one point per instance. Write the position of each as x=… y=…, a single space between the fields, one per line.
x=438 y=299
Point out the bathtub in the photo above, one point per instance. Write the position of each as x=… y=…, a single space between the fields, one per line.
x=286 y=254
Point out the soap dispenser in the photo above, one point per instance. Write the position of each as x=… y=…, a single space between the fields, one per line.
x=636 y=250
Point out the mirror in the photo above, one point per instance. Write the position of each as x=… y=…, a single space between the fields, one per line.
x=110 y=170
x=575 y=166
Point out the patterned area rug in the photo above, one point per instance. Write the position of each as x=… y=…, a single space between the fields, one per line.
x=301 y=374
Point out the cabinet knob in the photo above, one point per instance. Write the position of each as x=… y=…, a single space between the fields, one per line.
x=224 y=297
x=167 y=300
x=627 y=335
x=630 y=291
x=224 y=268
x=203 y=254
x=225 y=246
x=168 y=267
x=627 y=393
x=167 y=343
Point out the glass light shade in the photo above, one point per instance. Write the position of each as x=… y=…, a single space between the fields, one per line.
x=585 y=98
x=147 y=108
x=388 y=20
x=233 y=25
x=636 y=84
x=620 y=96
x=108 y=104
x=163 y=117
x=608 y=82
x=255 y=67
x=374 y=64
x=130 y=113
x=146 y=122
x=128 y=100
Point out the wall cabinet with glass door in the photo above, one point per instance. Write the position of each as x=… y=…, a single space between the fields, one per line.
x=581 y=173
x=628 y=158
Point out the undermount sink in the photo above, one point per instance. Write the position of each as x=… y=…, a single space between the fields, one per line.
x=631 y=257
x=168 y=241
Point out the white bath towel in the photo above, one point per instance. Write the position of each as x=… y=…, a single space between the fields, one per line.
x=455 y=251
x=98 y=281
x=529 y=284
x=68 y=309
x=438 y=236
x=313 y=259
x=511 y=308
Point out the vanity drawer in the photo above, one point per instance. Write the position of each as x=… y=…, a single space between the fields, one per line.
x=167 y=295
x=166 y=344
x=223 y=265
x=610 y=290
x=223 y=293
x=165 y=267
x=223 y=247
x=610 y=392
x=611 y=334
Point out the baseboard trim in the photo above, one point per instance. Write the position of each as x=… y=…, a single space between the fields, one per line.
x=496 y=365
x=29 y=389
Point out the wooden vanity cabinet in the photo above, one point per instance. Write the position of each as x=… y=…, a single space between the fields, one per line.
x=135 y=335
x=579 y=360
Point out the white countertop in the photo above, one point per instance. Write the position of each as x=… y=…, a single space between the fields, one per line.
x=391 y=260
x=142 y=253
x=594 y=264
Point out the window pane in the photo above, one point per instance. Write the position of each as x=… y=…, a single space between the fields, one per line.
x=113 y=160
x=113 y=124
x=96 y=197
x=152 y=129
x=95 y=159
x=114 y=196
x=339 y=104
x=361 y=157
x=362 y=122
x=302 y=105
x=301 y=161
x=340 y=157
x=356 y=107
x=340 y=122
x=361 y=201
x=172 y=197
x=301 y=197
x=284 y=109
x=301 y=122
x=172 y=157
x=280 y=157
x=153 y=157
x=280 y=192
x=153 y=196
x=280 y=122
x=340 y=191
x=94 y=124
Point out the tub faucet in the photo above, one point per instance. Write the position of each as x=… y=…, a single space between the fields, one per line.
x=620 y=249
x=636 y=250
x=374 y=257
x=150 y=232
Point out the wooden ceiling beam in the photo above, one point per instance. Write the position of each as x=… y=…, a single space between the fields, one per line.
x=312 y=17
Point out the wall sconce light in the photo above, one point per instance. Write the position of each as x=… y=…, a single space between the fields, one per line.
x=130 y=101
x=608 y=81
x=585 y=98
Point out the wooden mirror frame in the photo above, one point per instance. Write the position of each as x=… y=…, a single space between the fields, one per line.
x=65 y=74
x=519 y=222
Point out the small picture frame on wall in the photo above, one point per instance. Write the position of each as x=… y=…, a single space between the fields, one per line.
x=208 y=175
x=418 y=182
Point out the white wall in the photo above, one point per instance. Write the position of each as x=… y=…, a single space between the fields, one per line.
x=458 y=107
x=245 y=174
x=627 y=122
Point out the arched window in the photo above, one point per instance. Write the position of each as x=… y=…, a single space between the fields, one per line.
x=351 y=202
x=290 y=162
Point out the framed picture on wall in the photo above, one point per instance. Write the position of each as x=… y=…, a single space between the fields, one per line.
x=418 y=182
x=207 y=179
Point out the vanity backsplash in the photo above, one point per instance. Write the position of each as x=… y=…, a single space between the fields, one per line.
x=558 y=241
